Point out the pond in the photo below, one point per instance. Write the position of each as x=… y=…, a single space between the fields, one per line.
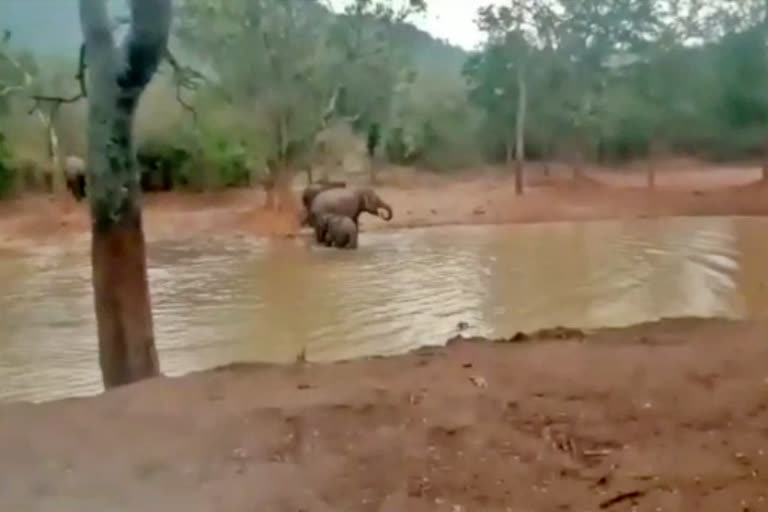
x=222 y=300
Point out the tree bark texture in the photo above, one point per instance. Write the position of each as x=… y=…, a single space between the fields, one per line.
x=522 y=103
x=117 y=76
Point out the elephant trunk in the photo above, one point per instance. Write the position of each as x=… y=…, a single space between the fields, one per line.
x=387 y=209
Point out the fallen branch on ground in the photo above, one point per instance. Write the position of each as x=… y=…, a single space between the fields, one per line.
x=630 y=495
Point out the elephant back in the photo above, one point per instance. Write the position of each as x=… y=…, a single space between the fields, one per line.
x=336 y=201
x=74 y=166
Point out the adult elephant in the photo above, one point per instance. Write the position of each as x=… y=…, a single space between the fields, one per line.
x=309 y=194
x=74 y=174
x=348 y=202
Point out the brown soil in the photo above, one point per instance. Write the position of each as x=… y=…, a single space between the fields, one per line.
x=665 y=416
x=484 y=196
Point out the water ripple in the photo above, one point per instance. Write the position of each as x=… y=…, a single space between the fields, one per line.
x=218 y=300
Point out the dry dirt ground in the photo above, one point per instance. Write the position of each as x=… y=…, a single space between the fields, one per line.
x=669 y=416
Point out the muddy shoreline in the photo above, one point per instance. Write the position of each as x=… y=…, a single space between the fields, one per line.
x=419 y=200
x=669 y=415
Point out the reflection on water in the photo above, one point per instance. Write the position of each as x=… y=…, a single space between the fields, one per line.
x=220 y=301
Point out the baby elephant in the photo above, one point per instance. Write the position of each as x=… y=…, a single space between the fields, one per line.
x=337 y=231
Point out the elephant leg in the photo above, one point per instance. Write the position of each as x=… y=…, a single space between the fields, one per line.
x=81 y=187
x=72 y=189
x=336 y=239
x=319 y=234
x=76 y=186
x=328 y=235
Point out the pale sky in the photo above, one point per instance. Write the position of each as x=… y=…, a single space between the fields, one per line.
x=453 y=20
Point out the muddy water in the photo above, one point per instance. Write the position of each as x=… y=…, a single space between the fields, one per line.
x=219 y=301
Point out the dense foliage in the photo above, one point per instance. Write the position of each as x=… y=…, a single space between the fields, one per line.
x=290 y=84
x=616 y=78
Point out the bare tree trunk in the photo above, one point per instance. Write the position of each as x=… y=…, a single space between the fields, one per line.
x=520 y=130
x=283 y=188
x=269 y=190
x=117 y=77
x=310 y=176
x=54 y=155
x=765 y=153
x=547 y=163
x=577 y=158
x=51 y=142
x=651 y=175
x=372 y=171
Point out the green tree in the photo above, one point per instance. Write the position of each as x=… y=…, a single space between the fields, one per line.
x=518 y=51
x=21 y=77
x=284 y=77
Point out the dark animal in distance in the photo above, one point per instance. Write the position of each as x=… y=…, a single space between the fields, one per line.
x=156 y=170
x=74 y=175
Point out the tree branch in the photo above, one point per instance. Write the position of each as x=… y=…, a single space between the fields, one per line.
x=184 y=77
x=57 y=101
x=26 y=77
x=9 y=89
x=80 y=75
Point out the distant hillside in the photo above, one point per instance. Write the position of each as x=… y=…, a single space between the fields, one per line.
x=51 y=28
x=430 y=53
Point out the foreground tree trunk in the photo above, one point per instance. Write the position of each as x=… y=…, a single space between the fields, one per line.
x=117 y=76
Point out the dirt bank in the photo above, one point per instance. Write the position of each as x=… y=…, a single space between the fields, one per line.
x=419 y=199
x=665 y=416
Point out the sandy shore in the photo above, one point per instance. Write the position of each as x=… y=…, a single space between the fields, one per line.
x=664 y=416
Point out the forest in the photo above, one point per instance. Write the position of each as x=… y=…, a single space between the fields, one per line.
x=250 y=91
